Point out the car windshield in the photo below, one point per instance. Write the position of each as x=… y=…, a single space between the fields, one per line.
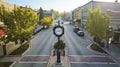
x=59 y=33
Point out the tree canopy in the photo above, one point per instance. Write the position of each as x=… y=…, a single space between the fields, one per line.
x=47 y=21
x=20 y=22
x=97 y=23
x=40 y=14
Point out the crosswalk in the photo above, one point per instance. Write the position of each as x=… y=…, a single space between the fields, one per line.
x=73 y=59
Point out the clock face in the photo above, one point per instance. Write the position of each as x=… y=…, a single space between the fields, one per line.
x=58 y=31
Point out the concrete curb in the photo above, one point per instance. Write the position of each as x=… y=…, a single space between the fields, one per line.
x=109 y=55
x=37 y=31
x=94 y=50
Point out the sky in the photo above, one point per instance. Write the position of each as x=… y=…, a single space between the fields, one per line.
x=58 y=5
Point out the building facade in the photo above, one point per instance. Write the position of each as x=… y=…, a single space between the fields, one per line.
x=76 y=13
x=111 y=8
x=8 y=6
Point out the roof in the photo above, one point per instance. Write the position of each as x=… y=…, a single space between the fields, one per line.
x=105 y=5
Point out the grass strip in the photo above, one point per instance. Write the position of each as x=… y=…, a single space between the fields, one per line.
x=97 y=48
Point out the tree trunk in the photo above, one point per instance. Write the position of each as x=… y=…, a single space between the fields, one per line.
x=4 y=50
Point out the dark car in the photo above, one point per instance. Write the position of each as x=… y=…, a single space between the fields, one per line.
x=80 y=33
x=76 y=29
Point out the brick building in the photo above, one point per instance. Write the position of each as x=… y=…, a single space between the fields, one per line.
x=112 y=8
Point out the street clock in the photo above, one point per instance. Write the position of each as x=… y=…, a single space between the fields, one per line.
x=58 y=31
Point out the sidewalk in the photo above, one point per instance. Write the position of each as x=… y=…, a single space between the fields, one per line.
x=113 y=51
x=64 y=61
x=10 y=47
x=9 y=58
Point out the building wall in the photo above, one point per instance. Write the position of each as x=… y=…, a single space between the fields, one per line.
x=76 y=13
x=84 y=12
x=115 y=19
x=7 y=5
x=105 y=7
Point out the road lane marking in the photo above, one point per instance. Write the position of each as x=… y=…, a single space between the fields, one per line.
x=93 y=62
x=36 y=55
x=31 y=62
x=86 y=56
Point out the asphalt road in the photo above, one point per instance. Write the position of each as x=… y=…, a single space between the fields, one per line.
x=41 y=46
x=79 y=53
x=77 y=45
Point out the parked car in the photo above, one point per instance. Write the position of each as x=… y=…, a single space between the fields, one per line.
x=80 y=33
x=76 y=29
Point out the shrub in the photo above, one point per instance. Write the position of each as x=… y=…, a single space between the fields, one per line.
x=97 y=48
x=60 y=45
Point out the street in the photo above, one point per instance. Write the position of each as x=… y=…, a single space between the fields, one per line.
x=79 y=53
x=60 y=33
x=41 y=46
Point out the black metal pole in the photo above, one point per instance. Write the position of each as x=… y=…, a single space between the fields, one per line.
x=58 y=39
x=58 y=56
x=58 y=51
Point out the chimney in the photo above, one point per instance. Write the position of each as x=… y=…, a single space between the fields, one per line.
x=116 y=1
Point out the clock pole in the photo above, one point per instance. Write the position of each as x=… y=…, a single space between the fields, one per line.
x=58 y=31
x=58 y=49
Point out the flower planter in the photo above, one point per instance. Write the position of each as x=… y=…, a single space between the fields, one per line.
x=61 y=46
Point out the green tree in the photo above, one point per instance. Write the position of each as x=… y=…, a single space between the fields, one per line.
x=47 y=21
x=25 y=19
x=97 y=23
x=55 y=13
x=6 y=18
x=20 y=24
x=40 y=14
